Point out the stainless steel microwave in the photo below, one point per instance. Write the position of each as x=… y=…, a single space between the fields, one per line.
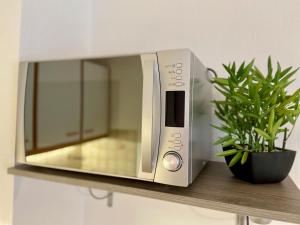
x=143 y=116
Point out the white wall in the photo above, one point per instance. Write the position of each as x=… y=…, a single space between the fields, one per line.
x=44 y=203
x=56 y=27
x=217 y=31
x=9 y=49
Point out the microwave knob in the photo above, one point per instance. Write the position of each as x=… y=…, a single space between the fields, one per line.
x=172 y=161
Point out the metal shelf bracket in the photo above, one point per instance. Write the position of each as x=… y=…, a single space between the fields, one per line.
x=244 y=220
x=108 y=196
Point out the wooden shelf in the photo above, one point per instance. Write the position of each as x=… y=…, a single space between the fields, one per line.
x=214 y=188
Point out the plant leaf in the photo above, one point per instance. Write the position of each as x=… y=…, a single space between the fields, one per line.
x=223 y=128
x=276 y=126
x=288 y=100
x=223 y=92
x=270 y=69
x=285 y=71
x=289 y=112
x=271 y=121
x=291 y=119
x=227 y=68
x=241 y=98
x=220 y=81
x=227 y=152
x=247 y=69
x=228 y=143
x=220 y=116
x=286 y=83
x=277 y=73
x=223 y=139
x=245 y=157
x=252 y=115
x=241 y=69
x=249 y=66
x=262 y=133
x=272 y=100
x=289 y=74
x=238 y=146
x=219 y=108
x=293 y=112
x=258 y=74
x=257 y=102
x=235 y=159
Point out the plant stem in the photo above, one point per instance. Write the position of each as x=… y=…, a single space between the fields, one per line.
x=250 y=141
x=284 y=139
x=263 y=145
x=270 y=145
x=291 y=129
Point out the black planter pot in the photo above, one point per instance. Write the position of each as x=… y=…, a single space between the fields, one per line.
x=263 y=167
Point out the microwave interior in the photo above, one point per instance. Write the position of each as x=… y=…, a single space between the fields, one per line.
x=85 y=115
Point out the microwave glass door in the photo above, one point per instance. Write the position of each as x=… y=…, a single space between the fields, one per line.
x=85 y=115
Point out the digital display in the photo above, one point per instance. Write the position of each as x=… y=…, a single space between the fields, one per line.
x=175 y=108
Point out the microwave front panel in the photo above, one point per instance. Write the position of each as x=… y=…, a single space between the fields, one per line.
x=174 y=150
x=84 y=115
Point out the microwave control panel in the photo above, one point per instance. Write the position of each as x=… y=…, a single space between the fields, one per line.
x=175 y=72
x=173 y=159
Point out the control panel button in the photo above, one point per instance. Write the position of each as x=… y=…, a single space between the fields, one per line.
x=172 y=161
x=177 y=135
x=177 y=148
x=179 y=84
x=177 y=142
x=178 y=71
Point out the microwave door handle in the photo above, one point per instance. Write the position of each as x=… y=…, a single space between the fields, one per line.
x=149 y=124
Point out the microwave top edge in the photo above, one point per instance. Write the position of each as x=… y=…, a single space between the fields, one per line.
x=105 y=56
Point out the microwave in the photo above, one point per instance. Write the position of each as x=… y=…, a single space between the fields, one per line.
x=143 y=116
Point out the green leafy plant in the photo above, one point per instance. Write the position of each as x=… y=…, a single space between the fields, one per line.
x=256 y=110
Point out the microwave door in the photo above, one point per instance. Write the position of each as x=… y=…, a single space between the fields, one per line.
x=99 y=115
x=150 y=116
x=85 y=115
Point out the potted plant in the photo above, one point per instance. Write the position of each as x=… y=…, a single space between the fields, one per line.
x=257 y=117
